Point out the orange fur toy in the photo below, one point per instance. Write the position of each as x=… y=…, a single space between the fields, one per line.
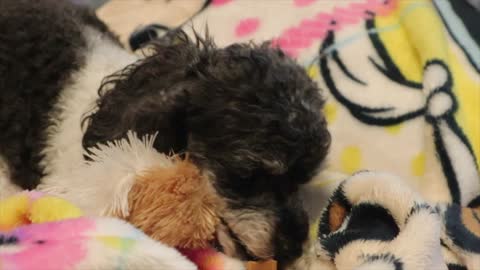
x=175 y=205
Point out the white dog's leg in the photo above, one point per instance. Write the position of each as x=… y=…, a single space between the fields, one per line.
x=7 y=188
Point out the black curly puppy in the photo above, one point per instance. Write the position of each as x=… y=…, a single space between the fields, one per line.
x=247 y=114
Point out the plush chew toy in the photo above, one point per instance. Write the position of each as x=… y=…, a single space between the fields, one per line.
x=167 y=197
x=174 y=204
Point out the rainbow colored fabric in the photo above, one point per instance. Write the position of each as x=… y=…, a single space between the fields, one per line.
x=38 y=231
x=85 y=243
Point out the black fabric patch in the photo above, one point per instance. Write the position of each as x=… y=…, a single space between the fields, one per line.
x=456 y=230
x=456 y=267
x=374 y=220
x=474 y=203
x=367 y=222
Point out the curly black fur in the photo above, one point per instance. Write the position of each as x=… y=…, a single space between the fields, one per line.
x=247 y=113
x=291 y=232
x=40 y=43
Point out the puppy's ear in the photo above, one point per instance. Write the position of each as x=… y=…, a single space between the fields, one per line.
x=146 y=97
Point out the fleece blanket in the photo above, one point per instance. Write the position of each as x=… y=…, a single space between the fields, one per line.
x=402 y=79
x=83 y=244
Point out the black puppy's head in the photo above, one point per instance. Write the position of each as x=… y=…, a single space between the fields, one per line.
x=247 y=114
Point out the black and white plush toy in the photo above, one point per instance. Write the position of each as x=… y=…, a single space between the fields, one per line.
x=247 y=115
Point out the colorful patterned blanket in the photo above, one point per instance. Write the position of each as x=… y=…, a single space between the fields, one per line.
x=403 y=85
x=39 y=231
x=85 y=243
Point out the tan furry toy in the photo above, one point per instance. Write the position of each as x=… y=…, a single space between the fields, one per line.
x=165 y=196
x=174 y=205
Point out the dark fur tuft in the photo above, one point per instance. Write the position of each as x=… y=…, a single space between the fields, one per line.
x=291 y=232
x=147 y=96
